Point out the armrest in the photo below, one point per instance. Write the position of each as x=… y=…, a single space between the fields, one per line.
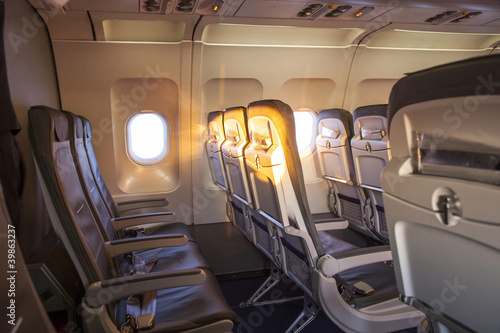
x=107 y=291
x=331 y=224
x=330 y=266
x=124 y=206
x=127 y=245
x=135 y=220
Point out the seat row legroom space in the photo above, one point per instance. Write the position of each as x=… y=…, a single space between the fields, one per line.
x=158 y=281
x=266 y=193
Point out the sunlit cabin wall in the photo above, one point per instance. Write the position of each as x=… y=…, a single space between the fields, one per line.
x=121 y=73
x=32 y=81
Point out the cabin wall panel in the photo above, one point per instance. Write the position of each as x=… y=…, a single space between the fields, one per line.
x=32 y=81
x=301 y=76
x=87 y=72
x=374 y=69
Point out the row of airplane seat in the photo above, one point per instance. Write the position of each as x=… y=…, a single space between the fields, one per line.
x=353 y=150
x=417 y=191
x=134 y=281
x=253 y=156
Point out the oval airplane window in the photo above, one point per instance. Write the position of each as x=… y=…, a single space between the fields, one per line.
x=305 y=128
x=148 y=137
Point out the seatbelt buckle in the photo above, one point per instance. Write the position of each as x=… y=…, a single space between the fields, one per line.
x=145 y=321
x=344 y=293
x=363 y=288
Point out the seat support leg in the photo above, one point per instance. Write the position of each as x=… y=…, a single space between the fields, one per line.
x=307 y=315
x=271 y=281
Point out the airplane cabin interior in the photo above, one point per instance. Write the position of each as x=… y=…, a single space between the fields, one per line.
x=266 y=166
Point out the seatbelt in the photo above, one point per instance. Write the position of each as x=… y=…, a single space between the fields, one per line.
x=141 y=311
x=141 y=308
x=142 y=263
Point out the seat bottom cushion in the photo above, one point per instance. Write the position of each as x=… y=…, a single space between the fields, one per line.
x=170 y=258
x=184 y=308
x=170 y=229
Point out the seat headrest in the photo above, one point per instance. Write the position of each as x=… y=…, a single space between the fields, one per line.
x=61 y=129
x=238 y=114
x=87 y=127
x=343 y=117
x=370 y=110
x=216 y=116
x=370 y=122
x=464 y=78
x=76 y=123
x=216 y=131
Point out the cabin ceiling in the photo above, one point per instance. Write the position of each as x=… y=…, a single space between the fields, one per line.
x=442 y=12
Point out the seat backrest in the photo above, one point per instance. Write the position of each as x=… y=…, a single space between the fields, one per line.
x=333 y=143
x=69 y=211
x=275 y=172
x=89 y=186
x=215 y=138
x=94 y=166
x=441 y=192
x=371 y=154
x=370 y=151
x=236 y=132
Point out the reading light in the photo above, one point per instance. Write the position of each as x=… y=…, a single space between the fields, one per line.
x=363 y=11
x=309 y=10
x=217 y=5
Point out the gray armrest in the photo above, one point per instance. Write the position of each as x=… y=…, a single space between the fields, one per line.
x=107 y=291
x=331 y=224
x=124 y=206
x=127 y=245
x=330 y=266
x=137 y=220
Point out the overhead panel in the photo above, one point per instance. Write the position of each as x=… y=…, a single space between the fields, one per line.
x=480 y=19
x=271 y=9
x=124 y=6
x=409 y=15
x=364 y=13
x=495 y=23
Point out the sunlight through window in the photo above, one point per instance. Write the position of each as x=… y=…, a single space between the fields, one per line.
x=147 y=138
x=304 y=129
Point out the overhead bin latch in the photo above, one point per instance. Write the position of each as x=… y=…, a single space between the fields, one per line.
x=257 y=161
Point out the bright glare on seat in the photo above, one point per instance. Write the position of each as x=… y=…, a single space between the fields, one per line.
x=304 y=127
x=147 y=138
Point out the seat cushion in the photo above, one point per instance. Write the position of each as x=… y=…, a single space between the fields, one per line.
x=169 y=258
x=184 y=308
x=170 y=229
